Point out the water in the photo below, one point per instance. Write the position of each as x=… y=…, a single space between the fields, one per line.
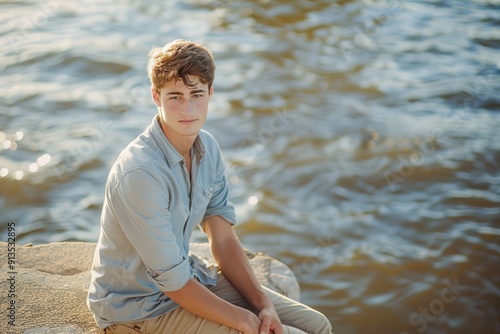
x=361 y=140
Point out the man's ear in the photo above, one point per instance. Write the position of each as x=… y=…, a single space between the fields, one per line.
x=211 y=91
x=155 y=96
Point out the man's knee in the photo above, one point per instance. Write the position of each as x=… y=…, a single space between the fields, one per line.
x=320 y=323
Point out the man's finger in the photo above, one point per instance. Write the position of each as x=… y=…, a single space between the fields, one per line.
x=264 y=328
x=278 y=329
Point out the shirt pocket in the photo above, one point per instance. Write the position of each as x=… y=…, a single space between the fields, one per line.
x=205 y=195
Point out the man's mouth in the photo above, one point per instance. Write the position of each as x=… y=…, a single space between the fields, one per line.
x=187 y=121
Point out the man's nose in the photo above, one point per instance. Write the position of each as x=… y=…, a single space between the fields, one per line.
x=189 y=107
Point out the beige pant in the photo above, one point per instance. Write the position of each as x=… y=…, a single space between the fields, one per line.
x=297 y=318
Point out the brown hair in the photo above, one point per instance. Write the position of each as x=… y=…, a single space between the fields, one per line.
x=178 y=59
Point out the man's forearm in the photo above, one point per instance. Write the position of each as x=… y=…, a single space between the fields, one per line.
x=234 y=264
x=197 y=299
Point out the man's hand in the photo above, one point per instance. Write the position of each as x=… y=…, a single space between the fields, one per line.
x=251 y=325
x=270 y=321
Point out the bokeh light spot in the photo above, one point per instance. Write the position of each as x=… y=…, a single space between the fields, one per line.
x=234 y=179
x=33 y=167
x=253 y=200
x=43 y=160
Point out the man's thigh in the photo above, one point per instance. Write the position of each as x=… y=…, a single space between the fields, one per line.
x=292 y=314
x=297 y=315
x=185 y=322
x=225 y=290
x=129 y=328
x=182 y=321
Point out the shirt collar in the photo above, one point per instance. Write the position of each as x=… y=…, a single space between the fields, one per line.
x=199 y=148
x=173 y=157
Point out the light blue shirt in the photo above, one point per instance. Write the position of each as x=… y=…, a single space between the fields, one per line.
x=150 y=209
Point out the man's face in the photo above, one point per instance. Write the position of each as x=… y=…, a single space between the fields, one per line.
x=183 y=110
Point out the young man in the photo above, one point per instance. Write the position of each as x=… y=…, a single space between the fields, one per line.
x=164 y=183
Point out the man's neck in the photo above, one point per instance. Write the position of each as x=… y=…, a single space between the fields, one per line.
x=182 y=144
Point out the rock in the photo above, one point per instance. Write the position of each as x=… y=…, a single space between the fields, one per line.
x=50 y=284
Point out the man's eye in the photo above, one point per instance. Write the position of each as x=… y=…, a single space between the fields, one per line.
x=175 y=98
x=197 y=96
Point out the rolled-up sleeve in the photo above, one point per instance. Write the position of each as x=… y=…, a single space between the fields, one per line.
x=219 y=204
x=173 y=279
x=140 y=204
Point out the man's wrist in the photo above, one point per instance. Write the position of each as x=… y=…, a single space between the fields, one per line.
x=246 y=321
x=263 y=302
